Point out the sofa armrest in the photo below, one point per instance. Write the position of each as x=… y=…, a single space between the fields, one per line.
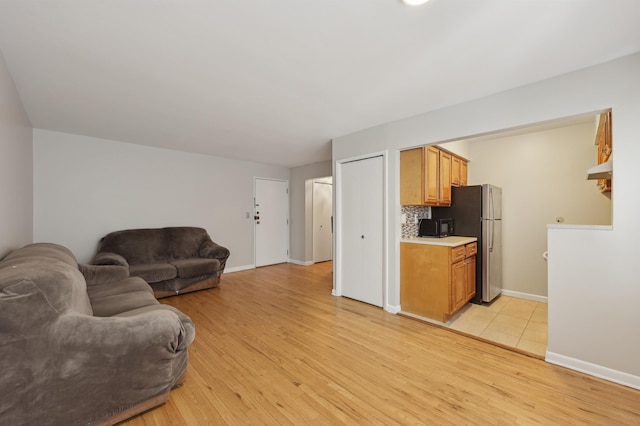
x=156 y=331
x=103 y=274
x=211 y=250
x=107 y=258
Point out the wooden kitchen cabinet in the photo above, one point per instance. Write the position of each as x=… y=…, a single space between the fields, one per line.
x=455 y=171
x=425 y=177
x=458 y=287
x=459 y=171
x=444 y=182
x=464 y=277
x=436 y=281
x=605 y=149
x=412 y=177
x=464 y=172
x=431 y=176
x=470 y=265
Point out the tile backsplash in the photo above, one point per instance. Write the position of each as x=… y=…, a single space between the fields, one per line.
x=410 y=229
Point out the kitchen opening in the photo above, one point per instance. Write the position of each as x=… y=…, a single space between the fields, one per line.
x=474 y=217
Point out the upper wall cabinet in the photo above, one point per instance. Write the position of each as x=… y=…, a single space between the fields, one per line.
x=444 y=183
x=412 y=177
x=427 y=174
x=459 y=171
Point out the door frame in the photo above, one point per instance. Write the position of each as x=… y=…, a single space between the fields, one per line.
x=314 y=182
x=288 y=236
x=337 y=214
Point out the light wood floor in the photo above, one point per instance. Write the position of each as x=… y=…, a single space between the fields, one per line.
x=274 y=347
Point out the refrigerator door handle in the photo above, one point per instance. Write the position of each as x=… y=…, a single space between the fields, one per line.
x=492 y=218
x=492 y=204
x=493 y=233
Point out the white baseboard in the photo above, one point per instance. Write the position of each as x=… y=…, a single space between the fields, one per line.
x=595 y=370
x=238 y=268
x=526 y=296
x=392 y=309
x=300 y=262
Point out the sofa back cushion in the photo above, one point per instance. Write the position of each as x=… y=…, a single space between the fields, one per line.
x=154 y=245
x=186 y=241
x=53 y=270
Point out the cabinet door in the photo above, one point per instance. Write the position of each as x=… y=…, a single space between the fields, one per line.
x=412 y=177
x=604 y=147
x=444 y=187
x=458 y=286
x=464 y=171
x=470 y=265
x=431 y=178
x=455 y=171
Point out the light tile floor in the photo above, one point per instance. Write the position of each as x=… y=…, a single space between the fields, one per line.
x=507 y=320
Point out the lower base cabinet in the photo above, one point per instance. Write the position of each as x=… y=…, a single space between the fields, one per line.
x=436 y=281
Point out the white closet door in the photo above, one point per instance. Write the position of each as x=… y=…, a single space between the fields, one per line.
x=372 y=230
x=362 y=230
x=351 y=256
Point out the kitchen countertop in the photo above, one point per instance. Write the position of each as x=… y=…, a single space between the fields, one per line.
x=446 y=241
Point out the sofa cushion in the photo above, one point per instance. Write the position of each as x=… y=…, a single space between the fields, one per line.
x=115 y=304
x=185 y=240
x=138 y=245
x=195 y=267
x=153 y=245
x=129 y=285
x=153 y=272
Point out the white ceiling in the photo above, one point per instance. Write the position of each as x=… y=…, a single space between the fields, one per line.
x=274 y=81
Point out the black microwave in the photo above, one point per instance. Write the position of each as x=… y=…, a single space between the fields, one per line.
x=435 y=227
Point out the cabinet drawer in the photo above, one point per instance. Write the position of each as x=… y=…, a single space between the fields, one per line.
x=457 y=254
x=471 y=249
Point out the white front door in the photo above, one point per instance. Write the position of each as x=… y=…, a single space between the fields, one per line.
x=361 y=249
x=271 y=221
x=322 y=232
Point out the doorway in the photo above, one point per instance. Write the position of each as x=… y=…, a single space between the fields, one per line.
x=271 y=221
x=322 y=219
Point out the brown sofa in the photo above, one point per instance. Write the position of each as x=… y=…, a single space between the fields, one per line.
x=83 y=351
x=172 y=260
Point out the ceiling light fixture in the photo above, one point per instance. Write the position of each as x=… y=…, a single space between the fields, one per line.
x=414 y=2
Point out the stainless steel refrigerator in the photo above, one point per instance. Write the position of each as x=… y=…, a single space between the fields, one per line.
x=477 y=212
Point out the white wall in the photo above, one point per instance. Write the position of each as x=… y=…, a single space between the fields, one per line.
x=16 y=167
x=542 y=176
x=461 y=147
x=87 y=187
x=593 y=317
x=300 y=226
